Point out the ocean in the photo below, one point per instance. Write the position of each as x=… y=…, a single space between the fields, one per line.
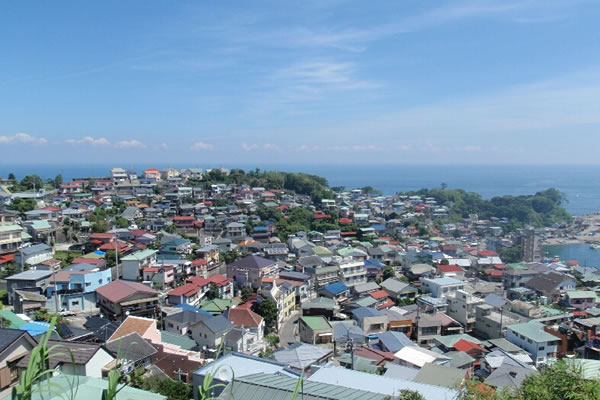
x=580 y=184
x=581 y=252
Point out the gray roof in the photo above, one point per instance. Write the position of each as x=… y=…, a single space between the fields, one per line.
x=379 y=384
x=9 y=336
x=131 y=347
x=218 y=324
x=398 y=371
x=366 y=287
x=187 y=316
x=277 y=387
x=320 y=302
x=394 y=341
x=494 y=300
x=363 y=312
x=347 y=329
x=30 y=275
x=253 y=262
x=301 y=355
x=394 y=285
x=439 y=375
x=240 y=365
x=459 y=359
x=509 y=375
x=36 y=248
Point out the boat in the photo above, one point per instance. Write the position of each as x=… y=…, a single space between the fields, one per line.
x=595 y=246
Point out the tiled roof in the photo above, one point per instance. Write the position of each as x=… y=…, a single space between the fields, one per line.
x=133 y=324
x=243 y=317
x=118 y=290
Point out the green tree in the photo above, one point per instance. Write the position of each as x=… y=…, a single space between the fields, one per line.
x=389 y=272
x=23 y=205
x=511 y=254
x=268 y=310
x=445 y=262
x=174 y=390
x=99 y=227
x=230 y=256
x=246 y=294
x=9 y=270
x=121 y=222
x=32 y=182
x=57 y=181
x=12 y=177
x=213 y=292
x=171 y=228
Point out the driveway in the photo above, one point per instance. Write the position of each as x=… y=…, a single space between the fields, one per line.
x=287 y=334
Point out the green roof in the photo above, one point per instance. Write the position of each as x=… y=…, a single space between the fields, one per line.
x=365 y=301
x=433 y=374
x=178 y=340
x=349 y=250
x=316 y=322
x=450 y=340
x=84 y=388
x=15 y=322
x=279 y=387
x=25 y=235
x=40 y=224
x=552 y=312
x=217 y=306
x=326 y=270
x=581 y=294
x=10 y=228
x=517 y=266
x=139 y=255
x=320 y=302
x=92 y=255
x=321 y=251
x=533 y=330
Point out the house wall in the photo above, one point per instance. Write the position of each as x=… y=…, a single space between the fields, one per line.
x=205 y=337
x=539 y=351
x=130 y=270
x=94 y=366
x=369 y=324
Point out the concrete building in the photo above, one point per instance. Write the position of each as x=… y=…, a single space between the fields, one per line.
x=32 y=280
x=132 y=264
x=315 y=330
x=462 y=306
x=352 y=272
x=491 y=324
x=531 y=337
x=532 y=249
x=34 y=255
x=442 y=287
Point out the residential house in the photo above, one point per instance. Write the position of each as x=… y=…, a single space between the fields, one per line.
x=370 y=320
x=581 y=299
x=118 y=175
x=352 y=272
x=192 y=292
x=301 y=356
x=551 y=285
x=283 y=295
x=181 y=322
x=462 y=307
x=32 y=280
x=118 y=299
x=132 y=264
x=210 y=332
x=234 y=364
x=75 y=358
x=491 y=323
x=33 y=255
x=163 y=276
x=235 y=231
x=442 y=287
x=11 y=237
x=320 y=306
x=76 y=287
x=336 y=291
x=28 y=303
x=398 y=290
x=252 y=328
x=315 y=330
x=132 y=351
x=251 y=270
x=14 y=345
x=516 y=275
x=531 y=337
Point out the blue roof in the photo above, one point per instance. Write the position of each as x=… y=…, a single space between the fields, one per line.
x=260 y=229
x=378 y=227
x=187 y=307
x=336 y=288
x=395 y=341
x=373 y=263
x=363 y=312
x=35 y=328
x=99 y=252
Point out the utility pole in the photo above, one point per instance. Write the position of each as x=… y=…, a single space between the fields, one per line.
x=116 y=255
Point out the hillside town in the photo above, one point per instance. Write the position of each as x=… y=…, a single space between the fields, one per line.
x=190 y=277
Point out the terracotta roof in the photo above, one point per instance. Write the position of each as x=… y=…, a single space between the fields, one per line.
x=494 y=272
x=379 y=294
x=187 y=290
x=199 y=261
x=198 y=281
x=102 y=235
x=219 y=280
x=83 y=260
x=466 y=346
x=450 y=268
x=488 y=253
x=380 y=356
x=118 y=290
x=386 y=304
x=132 y=324
x=243 y=317
x=183 y=218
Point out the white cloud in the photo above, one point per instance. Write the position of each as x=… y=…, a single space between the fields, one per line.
x=271 y=146
x=164 y=146
x=328 y=74
x=369 y=147
x=123 y=144
x=249 y=147
x=89 y=140
x=23 y=138
x=202 y=146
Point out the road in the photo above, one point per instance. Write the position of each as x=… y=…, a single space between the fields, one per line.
x=288 y=330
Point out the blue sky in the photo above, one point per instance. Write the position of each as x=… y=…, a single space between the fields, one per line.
x=316 y=81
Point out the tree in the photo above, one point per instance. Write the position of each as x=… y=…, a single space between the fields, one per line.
x=12 y=177
x=230 y=256
x=511 y=254
x=9 y=270
x=121 y=222
x=4 y=323
x=99 y=227
x=389 y=272
x=246 y=294
x=268 y=310
x=445 y=262
x=174 y=390
x=32 y=182
x=58 y=180
x=171 y=228
x=213 y=291
x=23 y=205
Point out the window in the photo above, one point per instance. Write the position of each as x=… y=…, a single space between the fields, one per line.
x=88 y=284
x=541 y=348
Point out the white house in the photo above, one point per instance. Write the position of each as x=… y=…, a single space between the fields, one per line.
x=531 y=337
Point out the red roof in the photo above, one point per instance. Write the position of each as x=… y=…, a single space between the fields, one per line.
x=183 y=218
x=450 y=268
x=386 y=304
x=220 y=280
x=118 y=290
x=187 y=290
x=345 y=221
x=83 y=260
x=120 y=246
x=244 y=317
x=494 y=273
x=466 y=346
x=50 y=208
x=499 y=266
x=488 y=253
x=199 y=261
x=348 y=234
x=572 y=262
x=7 y=258
x=151 y=269
x=379 y=294
x=138 y=232
x=198 y=281
x=373 y=354
x=151 y=171
x=102 y=236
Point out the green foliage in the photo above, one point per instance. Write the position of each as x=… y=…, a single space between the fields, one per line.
x=445 y=262
x=44 y=316
x=9 y=269
x=511 y=254
x=230 y=256
x=23 y=205
x=31 y=182
x=246 y=294
x=273 y=340
x=57 y=181
x=99 y=227
x=541 y=209
x=268 y=310
x=213 y=292
x=121 y=222
x=559 y=382
x=174 y=390
x=388 y=272
x=171 y=228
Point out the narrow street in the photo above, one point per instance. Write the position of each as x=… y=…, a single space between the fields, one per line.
x=288 y=331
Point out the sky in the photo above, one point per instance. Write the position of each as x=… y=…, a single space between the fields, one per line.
x=304 y=82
